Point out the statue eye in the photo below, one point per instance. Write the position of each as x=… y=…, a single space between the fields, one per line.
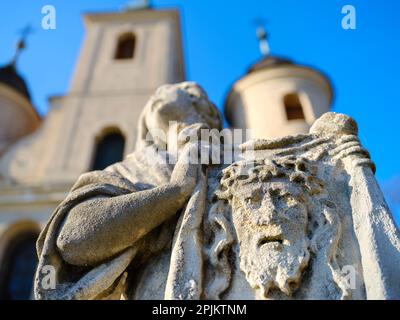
x=253 y=201
x=285 y=199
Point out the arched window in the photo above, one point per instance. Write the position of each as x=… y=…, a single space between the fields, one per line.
x=109 y=149
x=293 y=107
x=18 y=268
x=126 y=46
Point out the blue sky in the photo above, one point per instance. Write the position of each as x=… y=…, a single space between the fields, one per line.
x=220 y=44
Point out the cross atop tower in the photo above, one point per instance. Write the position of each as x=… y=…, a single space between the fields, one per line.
x=21 y=45
x=263 y=37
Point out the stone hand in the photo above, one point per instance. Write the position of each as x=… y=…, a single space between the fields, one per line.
x=186 y=171
x=208 y=141
x=191 y=133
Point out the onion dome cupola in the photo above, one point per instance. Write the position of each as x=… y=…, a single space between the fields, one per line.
x=10 y=77
x=18 y=117
x=277 y=97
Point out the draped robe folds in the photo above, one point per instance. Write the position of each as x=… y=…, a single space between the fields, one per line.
x=110 y=279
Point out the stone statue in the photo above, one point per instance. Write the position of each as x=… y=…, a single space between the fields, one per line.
x=297 y=218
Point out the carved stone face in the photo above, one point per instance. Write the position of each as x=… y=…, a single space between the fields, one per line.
x=271 y=221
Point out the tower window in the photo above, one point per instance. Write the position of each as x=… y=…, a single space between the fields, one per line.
x=293 y=107
x=126 y=46
x=109 y=150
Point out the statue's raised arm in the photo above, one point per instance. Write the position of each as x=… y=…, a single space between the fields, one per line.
x=126 y=213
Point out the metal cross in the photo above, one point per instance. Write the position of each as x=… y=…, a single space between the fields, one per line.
x=262 y=36
x=21 y=45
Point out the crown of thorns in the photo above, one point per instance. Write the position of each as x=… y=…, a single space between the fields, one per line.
x=296 y=170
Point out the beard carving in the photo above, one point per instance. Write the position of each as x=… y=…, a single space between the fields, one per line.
x=273 y=265
x=274 y=246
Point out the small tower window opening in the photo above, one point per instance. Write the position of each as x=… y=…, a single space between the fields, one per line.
x=293 y=107
x=126 y=46
x=109 y=150
x=18 y=269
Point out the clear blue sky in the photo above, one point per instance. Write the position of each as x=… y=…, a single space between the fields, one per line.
x=220 y=43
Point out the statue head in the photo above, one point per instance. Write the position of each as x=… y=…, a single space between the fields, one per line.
x=270 y=206
x=184 y=103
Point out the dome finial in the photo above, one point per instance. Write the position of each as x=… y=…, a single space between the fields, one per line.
x=262 y=36
x=137 y=5
x=21 y=45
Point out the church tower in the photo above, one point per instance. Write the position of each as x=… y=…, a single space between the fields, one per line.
x=126 y=56
x=277 y=97
x=129 y=52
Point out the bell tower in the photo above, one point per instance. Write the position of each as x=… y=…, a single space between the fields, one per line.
x=131 y=52
x=125 y=57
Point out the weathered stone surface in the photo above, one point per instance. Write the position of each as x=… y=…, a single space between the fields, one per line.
x=297 y=218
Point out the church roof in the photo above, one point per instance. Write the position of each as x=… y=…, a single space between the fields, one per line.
x=269 y=62
x=10 y=77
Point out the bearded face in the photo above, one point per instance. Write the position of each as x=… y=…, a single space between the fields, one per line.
x=271 y=221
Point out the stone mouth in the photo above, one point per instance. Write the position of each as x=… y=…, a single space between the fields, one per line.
x=272 y=239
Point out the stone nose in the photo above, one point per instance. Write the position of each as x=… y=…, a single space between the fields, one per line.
x=269 y=212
